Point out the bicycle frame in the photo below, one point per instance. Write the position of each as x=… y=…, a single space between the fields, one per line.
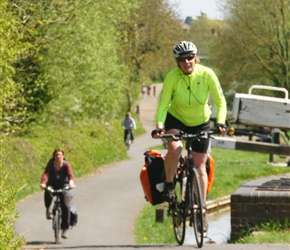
x=189 y=203
x=128 y=138
x=194 y=198
x=56 y=211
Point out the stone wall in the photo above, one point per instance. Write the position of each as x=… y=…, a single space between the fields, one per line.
x=257 y=201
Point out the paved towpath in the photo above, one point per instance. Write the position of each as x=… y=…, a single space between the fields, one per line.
x=108 y=202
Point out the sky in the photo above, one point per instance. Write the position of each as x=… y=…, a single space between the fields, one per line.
x=193 y=8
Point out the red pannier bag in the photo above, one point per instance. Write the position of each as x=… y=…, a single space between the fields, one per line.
x=210 y=172
x=152 y=177
x=210 y=167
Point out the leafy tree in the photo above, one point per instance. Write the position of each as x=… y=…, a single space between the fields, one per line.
x=36 y=18
x=146 y=35
x=202 y=33
x=163 y=31
x=253 y=46
x=22 y=44
x=86 y=58
x=13 y=110
x=72 y=68
x=81 y=64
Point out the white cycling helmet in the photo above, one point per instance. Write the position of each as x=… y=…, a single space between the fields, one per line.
x=184 y=47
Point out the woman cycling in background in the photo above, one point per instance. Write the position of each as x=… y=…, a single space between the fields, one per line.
x=57 y=174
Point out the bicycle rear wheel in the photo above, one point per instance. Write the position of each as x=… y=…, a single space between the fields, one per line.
x=128 y=141
x=56 y=225
x=196 y=214
x=178 y=215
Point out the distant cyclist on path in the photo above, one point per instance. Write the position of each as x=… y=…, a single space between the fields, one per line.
x=128 y=124
x=183 y=106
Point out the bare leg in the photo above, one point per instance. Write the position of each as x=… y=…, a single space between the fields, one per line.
x=200 y=163
x=172 y=157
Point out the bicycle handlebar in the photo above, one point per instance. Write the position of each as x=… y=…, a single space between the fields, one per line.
x=187 y=137
x=55 y=191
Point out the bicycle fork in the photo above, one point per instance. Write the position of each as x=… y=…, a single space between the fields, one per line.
x=184 y=183
x=55 y=210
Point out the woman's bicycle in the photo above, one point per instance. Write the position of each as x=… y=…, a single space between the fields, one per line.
x=188 y=207
x=128 y=138
x=56 y=211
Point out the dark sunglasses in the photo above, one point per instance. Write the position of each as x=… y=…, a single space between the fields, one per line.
x=182 y=59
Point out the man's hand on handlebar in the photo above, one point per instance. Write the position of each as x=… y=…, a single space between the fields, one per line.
x=42 y=185
x=156 y=133
x=222 y=128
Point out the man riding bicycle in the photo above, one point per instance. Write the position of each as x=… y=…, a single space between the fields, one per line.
x=183 y=106
x=128 y=124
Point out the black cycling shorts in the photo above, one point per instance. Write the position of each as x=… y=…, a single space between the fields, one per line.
x=201 y=145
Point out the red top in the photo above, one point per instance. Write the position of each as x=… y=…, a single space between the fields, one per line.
x=66 y=170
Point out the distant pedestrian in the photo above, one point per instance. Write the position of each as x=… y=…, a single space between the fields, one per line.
x=138 y=110
x=154 y=90
x=148 y=90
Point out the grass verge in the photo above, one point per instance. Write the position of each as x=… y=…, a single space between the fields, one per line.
x=269 y=232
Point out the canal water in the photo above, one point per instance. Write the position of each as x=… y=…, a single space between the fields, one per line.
x=219 y=229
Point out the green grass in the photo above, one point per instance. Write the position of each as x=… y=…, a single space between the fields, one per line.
x=269 y=232
x=232 y=169
x=148 y=231
x=88 y=146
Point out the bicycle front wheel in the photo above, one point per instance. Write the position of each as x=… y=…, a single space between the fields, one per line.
x=56 y=226
x=178 y=215
x=128 y=141
x=196 y=205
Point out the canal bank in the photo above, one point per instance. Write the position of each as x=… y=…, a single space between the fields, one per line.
x=261 y=200
x=219 y=220
x=257 y=201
